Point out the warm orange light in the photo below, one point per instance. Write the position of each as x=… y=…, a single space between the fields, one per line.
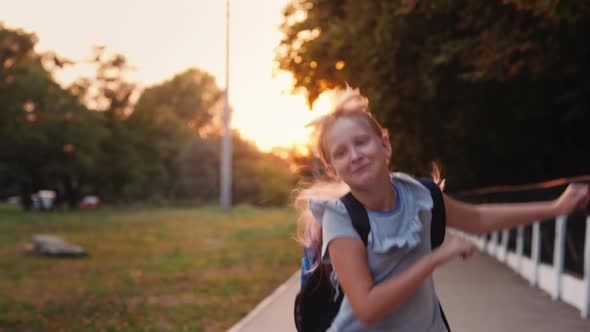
x=279 y=120
x=29 y=106
x=263 y=112
x=69 y=148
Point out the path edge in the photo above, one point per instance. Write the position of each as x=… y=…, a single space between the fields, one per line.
x=263 y=304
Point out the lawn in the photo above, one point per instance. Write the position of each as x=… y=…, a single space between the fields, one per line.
x=177 y=269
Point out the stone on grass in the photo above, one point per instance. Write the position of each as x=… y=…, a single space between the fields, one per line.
x=51 y=245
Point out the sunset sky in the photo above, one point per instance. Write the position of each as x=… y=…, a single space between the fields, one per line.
x=162 y=38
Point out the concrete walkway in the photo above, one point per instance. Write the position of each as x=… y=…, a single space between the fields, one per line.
x=478 y=295
x=275 y=313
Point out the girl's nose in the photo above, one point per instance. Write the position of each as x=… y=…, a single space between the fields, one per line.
x=354 y=154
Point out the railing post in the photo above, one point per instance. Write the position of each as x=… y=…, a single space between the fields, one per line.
x=558 y=254
x=482 y=242
x=535 y=252
x=505 y=235
x=494 y=241
x=586 y=303
x=519 y=247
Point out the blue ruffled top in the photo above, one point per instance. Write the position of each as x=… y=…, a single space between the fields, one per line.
x=397 y=228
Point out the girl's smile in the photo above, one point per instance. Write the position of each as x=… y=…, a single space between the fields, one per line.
x=360 y=169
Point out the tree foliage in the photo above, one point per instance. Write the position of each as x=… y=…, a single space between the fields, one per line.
x=495 y=91
x=95 y=138
x=191 y=95
x=47 y=138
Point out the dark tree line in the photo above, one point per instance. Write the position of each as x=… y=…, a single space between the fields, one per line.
x=496 y=92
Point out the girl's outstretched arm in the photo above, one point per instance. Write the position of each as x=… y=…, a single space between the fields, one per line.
x=371 y=302
x=484 y=218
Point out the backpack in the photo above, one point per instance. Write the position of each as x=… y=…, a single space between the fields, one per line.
x=315 y=306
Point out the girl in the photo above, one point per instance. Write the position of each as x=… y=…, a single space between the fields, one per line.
x=388 y=283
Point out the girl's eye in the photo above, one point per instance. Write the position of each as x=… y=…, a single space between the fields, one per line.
x=339 y=153
x=361 y=141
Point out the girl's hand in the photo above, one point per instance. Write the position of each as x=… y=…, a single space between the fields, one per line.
x=574 y=197
x=454 y=247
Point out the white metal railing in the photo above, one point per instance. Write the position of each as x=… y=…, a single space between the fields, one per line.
x=550 y=278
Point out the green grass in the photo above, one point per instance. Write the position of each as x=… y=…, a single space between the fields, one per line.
x=170 y=269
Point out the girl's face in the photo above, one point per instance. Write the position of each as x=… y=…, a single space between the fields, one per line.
x=356 y=153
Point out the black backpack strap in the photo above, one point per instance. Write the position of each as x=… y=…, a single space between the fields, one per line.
x=438 y=224
x=358 y=214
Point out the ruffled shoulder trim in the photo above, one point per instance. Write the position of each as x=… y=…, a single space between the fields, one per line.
x=405 y=231
x=319 y=206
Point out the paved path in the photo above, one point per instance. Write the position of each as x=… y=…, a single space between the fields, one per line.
x=480 y=295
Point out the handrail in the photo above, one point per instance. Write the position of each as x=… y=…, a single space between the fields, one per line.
x=551 y=278
x=531 y=186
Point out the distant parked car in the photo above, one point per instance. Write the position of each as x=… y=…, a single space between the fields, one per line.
x=14 y=200
x=43 y=199
x=90 y=202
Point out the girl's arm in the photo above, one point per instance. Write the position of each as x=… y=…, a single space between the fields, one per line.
x=484 y=218
x=371 y=302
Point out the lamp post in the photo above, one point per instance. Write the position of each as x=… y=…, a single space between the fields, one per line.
x=226 y=144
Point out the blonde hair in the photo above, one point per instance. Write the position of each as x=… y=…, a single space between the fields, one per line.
x=309 y=232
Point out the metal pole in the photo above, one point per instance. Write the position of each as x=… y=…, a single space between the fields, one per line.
x=226 y=146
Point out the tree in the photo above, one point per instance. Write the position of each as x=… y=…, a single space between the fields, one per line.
x=111 y=94
x=198 y=163
x=93 y=138
x=47 y=138
x=165 y=120
x=259 y=178
x=495 y=91
x=191 y=94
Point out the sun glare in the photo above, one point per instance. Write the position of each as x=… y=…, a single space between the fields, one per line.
x=278 y=120
x=193 y=35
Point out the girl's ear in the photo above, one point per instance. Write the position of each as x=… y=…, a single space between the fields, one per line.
x=331 y=171
x=387 y=145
